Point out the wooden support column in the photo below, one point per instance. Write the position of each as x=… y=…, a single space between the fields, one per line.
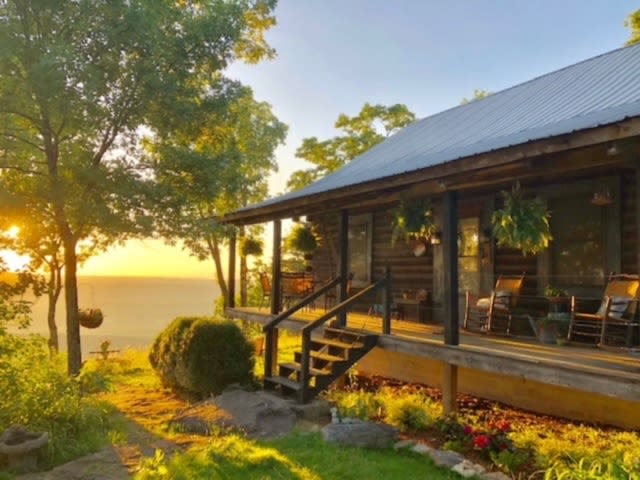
x=387 y=298
x=271 y=340
x=231 y=280
x=451 y=313
x=343 y=262
x=276 y=268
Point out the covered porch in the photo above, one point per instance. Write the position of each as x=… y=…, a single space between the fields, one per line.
x=576 y=380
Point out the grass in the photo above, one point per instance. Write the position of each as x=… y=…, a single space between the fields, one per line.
x=299 y=456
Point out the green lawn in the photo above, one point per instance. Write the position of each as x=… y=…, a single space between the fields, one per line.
x=299 y=456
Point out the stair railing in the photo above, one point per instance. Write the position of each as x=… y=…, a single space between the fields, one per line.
x=305 y=360
x=271 y=332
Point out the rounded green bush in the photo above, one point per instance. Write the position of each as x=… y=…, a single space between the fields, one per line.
x=202 y=356
x=167 y=348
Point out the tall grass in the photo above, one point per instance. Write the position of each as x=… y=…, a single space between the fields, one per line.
x=38 y=394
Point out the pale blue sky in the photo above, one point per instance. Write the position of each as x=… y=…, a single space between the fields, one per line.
x=335 y=55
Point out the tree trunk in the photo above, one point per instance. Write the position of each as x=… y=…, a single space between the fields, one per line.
x=53 y=294
x=74 y=352
x=214 y=248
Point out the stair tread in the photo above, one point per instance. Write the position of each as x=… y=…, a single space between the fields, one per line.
x=348 y=331
x=338 y=343
x=326 y=356
x=313 y=371
x=283 y=381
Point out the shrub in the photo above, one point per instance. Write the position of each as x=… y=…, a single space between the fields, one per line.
x=408 y=412
x=38 y=394
x=202 y=356
x=167 y=348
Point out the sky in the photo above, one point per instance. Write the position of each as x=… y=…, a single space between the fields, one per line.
x=335 y=55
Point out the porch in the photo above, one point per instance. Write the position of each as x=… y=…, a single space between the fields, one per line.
x=517 y=370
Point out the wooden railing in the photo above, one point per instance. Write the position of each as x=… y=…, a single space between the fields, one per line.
x=270 y=329
x=305 y=361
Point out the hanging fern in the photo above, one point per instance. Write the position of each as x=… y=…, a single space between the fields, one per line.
x=413 y=219
x=251 y=246
x=302 y=239
x=522 y=223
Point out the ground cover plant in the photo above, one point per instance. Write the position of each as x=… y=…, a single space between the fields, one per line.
x=522 y=444
x=38 y=394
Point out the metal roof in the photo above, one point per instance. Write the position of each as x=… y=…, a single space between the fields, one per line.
x=595 y=92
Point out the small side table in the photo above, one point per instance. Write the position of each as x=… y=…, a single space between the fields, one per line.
x=420 y=307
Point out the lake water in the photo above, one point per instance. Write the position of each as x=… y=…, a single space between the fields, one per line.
x=135 y=309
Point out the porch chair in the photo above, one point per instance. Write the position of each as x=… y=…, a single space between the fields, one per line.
x=296 y=286
x=616 y=317
x=488 y=314
x=265 y=283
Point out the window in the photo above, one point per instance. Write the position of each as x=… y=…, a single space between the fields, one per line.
x=360 y=235
x=578 y=247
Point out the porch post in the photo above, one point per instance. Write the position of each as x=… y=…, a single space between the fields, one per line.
x=231 y=281
x=451 y=314
x=271 y=340
x=276 y=267
x=343 y=262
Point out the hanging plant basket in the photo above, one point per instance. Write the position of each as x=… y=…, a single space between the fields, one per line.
x=251 y=246
x=413 y=220
x=522 y=222
x=303 y=239
x=90 y=317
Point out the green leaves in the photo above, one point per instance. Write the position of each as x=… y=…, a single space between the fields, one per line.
x=371 y=126
x=633 y=22
x=522 y=223
x=413 y=219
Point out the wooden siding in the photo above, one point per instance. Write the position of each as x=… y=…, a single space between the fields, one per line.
x=629 y=222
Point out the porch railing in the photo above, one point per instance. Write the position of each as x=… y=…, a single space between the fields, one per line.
x=305 y=360
x=271 y=331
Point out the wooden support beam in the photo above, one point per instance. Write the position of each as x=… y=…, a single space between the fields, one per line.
x=387 y=298
x=450 y=274
x=343 y=262
x=449 y=388
x=231 y=273
x=276 y=268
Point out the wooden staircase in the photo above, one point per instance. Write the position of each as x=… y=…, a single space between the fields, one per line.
x=330 y=357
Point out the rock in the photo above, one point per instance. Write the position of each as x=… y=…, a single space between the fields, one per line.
x=468 y=469
x=446 y=458
x=315 y=411
x=422 y=449
x=495 y=476
x=258 y=414
x=404 y=444
x=20 y=447
x=360 y=434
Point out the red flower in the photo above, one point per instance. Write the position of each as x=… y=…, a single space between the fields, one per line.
x=482 y=441
x=468 y=429
x=504 y=426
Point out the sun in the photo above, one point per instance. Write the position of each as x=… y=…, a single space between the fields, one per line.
x=13 y=261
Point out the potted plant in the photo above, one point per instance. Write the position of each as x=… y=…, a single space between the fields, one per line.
x=522 y=222
x=90 y=317
x=251 y=246
x=413 y=220
x=303 y=239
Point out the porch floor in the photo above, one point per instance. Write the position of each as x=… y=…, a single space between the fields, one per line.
x=578 y=357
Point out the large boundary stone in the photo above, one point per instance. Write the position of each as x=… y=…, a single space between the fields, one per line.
x=359 y=433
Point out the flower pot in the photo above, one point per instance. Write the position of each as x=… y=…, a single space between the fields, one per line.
x=90 y=317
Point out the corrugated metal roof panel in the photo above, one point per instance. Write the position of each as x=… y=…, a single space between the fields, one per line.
x=594 y=92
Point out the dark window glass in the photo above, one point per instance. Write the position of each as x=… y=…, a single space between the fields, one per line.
x=577 y=249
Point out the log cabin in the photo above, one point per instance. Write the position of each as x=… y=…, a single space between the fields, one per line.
x=571 y=138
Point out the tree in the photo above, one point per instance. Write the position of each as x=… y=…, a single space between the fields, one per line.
x=79 y=79
x=478 y=94
x=633 y=22
x=371 y=126
x=212 y=165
